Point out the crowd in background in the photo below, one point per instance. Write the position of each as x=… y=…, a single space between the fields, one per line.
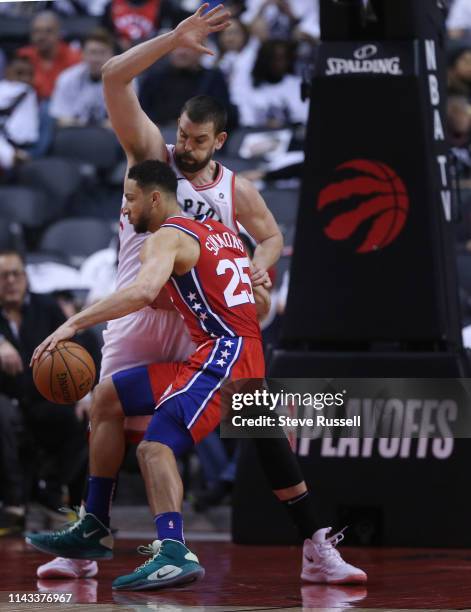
x=56 y=141
x=60 y=161
x=459 y=136
x=256 y=67
x=459 y=82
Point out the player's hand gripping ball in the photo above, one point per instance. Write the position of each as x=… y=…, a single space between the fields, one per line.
x=65 y=374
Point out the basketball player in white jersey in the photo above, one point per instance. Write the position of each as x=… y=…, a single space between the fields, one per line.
x=159 y=335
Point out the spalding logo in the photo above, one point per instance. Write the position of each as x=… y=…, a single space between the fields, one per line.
x=371 y=204
x=63 y=381
x=365 y=52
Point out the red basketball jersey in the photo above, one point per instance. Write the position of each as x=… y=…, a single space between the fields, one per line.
x=132 y=21
x=215 y=297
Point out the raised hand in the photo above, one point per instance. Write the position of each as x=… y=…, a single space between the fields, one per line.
x=193 y=31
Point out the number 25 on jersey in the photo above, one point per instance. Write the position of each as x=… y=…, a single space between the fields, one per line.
x=239 y=276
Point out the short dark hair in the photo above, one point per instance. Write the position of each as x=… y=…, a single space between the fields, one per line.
x=153 y=172
x=262 y=69
x=202 y=109
x=100 y=35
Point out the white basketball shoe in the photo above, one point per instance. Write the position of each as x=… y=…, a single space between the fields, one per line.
x=68 y=568
x=322 y=563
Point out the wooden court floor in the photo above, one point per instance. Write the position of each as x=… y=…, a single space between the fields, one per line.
x=251 y=578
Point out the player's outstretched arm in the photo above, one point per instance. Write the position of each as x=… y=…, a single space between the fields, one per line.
x=252 y=211
x=158 y=258
x=139 y=136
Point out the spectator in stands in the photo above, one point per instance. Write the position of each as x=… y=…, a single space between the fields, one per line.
x=78 y=95
x=132 y=21
x=459 y=19
x=19 y=114
x=459 y=71
x=166 y=87
x=271 y=95
x=458 y=121
x=22 y=9
x=235 y=47
x=3 y=61
x=236 y=7
x=48 y=53
x=20 y=69
x=278 y=18
x=94 y=8
x=459 y=133
x=233 y=39
x=308 y=27
x=24 y=319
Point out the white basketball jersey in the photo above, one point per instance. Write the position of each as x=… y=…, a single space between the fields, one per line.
x=216 y=199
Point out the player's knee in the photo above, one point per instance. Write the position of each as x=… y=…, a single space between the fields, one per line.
x=142 y=452
x=105 y=403
x=151 y=451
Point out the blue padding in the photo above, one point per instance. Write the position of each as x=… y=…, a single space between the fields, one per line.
x=135 y=391
x=165 y=429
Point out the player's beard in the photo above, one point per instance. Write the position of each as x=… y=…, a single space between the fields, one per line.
x=142 y=224
x=185 y=163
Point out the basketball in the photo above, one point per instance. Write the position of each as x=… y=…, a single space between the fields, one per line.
x=66 y=374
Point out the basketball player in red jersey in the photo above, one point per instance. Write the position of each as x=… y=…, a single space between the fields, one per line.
x=204 y=267
x=158 y=335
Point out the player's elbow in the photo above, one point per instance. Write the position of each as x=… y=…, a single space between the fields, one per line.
x=275 y=240
x=109 y=70
x=146 y=294
x=279 y=238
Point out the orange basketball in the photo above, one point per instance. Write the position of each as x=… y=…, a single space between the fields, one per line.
x=66 y=374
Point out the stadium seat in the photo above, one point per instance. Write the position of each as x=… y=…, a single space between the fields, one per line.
x=11 y=236
x=91 y=145
x=115 y=177
x=57 y=178
x=76 y=239
x=283 y=203
x=25 y=205
x=14 y=31
x=169 y=133
x=79 y=26
x=39 y=258
x=463 y=262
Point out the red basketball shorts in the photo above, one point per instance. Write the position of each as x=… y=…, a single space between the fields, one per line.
x=185 y=397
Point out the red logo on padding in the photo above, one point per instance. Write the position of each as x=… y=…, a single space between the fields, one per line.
x=380 y=201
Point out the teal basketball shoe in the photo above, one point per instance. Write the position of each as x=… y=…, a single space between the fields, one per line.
x=170 y=564
x=86 y=538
